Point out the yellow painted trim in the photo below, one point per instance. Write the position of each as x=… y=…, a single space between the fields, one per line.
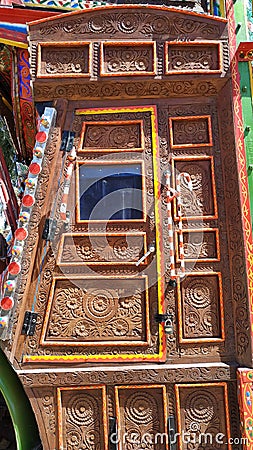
x=13 y=43
x=162 y=348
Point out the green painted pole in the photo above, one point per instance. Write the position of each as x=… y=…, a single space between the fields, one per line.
x=24 y=423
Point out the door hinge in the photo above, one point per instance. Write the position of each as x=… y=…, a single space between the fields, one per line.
x=29 y=323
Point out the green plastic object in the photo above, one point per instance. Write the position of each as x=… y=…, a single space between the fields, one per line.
x=23 y=419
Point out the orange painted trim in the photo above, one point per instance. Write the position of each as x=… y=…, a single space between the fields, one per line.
x=60 y=415
x=83 y=343
x=82 y=149
x=192 y=44
x=174 y=159
x=203 y=385
x=146 y=7
x=199 y=340
x=98 y=262
x=200 y=230
x=98 y=163
x=130 y=44
x=186 y=119
x=81 y=44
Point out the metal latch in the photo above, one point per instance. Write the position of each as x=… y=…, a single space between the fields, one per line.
x=29 y=324
x=151 y=249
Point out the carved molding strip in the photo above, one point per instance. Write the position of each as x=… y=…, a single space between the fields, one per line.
x=134 y=20
x=167 y=374
x=193 y=57
x=140 y=89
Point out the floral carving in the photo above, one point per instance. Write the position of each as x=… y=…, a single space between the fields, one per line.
x=112 y=136
x=193 y=58
x=93 y=313
x=124 y=59
x=64 y=60
x=200 y=245
x=190 y=131
x=200 y=307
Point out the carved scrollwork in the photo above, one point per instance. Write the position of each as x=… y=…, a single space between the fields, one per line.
x=124 y=59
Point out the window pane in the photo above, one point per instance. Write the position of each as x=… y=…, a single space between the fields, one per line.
x=110 y=192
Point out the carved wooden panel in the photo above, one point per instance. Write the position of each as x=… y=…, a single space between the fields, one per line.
x=82 y=418
x=194 y=131
x=203 y=415
x=112 y=136
x=199 y=245
x=121 y=58
x=103 y=249
x=142 y=416
x=193 y=57
x=201 y=202
x=97 y=311
x=200 y=308
x=63 y=59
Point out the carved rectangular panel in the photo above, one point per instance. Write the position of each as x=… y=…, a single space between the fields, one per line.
x=199 y=245
x=127 y=59
x=141 y=413
x=104 y=249
x=190 y=131
x=203 y=416
x=65 y=59
x=193 y=57
x=200 y=202
x=112 y=136
x=200 y=308
x=96 y=311
x=82 y=420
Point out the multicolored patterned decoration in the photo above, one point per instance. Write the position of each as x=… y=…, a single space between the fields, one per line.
x=68 y=4
x=245 y=385
x=7 y=302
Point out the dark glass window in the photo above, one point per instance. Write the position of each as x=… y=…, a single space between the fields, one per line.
x=110 y=192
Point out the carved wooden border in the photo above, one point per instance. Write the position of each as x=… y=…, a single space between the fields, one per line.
x=183 y=340
x=187 y=118
x=100 y=163
x=64 y=44
x=190 y=44
x=126 y=44
x=62 y=343
x=82 y=149
x=139 y=387
x=102 y=263
x=202 y=385
x=199 y=230
x=59 y=411
x=213 y=185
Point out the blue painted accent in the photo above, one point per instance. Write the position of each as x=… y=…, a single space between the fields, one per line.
x=14 y=27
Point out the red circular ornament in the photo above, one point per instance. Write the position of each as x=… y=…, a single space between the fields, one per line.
x=41 y=137
x=34 y=168
x=28 y=200
x=14 y=268
x=7 y=303
x=20 y=234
